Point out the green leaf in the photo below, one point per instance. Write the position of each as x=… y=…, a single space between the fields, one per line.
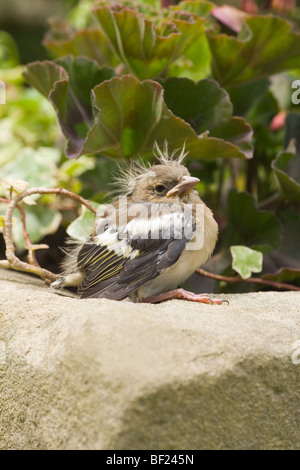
x=43 y=75
x=248 y=226
x=206 y=106
x=127 y=116
x=195 y=62
x=97 y=181
x=146 y=49
x=18 y=185
x=287 y=163
x=9 y=55
x=89 y=42
x=131 y=115
x=282 y=166
x=82 y=227
x=35 y=167
x=246 y=261
x=286 y=275
x=246 y=95
x=40 y=221
x=256 y=52
x=201 y=8
x=68 y=85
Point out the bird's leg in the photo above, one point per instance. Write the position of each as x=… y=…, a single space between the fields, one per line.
x=183 y=294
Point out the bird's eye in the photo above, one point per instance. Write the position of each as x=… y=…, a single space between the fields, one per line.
x=159 y=189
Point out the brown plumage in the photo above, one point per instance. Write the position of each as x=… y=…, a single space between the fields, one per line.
x=145 y=245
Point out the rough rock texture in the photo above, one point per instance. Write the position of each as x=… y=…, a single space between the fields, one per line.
x=100 y=374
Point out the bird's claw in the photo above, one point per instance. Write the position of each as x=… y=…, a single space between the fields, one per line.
x=185 y=295
x=58 y=284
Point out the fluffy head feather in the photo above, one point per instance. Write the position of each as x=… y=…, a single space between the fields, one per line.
x=163 y=157
x=130 y=176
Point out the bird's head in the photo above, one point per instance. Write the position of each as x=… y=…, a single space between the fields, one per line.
x=166 y=182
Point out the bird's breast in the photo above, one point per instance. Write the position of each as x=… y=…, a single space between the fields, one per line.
x=196 y=253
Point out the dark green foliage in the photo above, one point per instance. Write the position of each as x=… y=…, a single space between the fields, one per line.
x=132 y=74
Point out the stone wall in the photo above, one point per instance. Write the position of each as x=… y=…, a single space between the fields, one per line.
x=99 y=374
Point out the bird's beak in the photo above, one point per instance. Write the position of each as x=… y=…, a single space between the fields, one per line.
x=186 y=182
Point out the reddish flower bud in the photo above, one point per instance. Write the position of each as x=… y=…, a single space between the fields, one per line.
x=278 y=121
x=249 y=6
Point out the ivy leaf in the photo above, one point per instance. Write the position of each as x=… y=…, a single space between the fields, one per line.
x=82 y=227
x=40 y=221
x=248 y=226
x=33 y=168
x=18 y=185
x=68 y=85
x=246 y=261
x=256 y=52
x=148 y=49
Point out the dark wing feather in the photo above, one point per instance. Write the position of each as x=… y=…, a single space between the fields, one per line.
x=111 y=276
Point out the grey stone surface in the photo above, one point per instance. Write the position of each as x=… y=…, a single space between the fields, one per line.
x=100 y=374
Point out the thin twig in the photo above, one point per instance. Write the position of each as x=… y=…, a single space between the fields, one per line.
x=267 y=202
x=29 y=246
x=253 y=280
x=12 y=260
x=4 y=264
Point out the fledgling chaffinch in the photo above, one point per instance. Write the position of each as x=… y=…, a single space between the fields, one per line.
x=147 y=243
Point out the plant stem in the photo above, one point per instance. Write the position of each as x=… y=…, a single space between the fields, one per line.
x=12 y=260
x=270 y=200
x=253 y=280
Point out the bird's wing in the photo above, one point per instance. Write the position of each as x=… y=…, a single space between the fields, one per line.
x=114 y=267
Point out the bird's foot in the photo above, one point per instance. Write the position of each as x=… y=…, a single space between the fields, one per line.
x=58 y=284
x=183 y=294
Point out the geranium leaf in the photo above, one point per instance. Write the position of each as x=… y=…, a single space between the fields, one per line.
x=132 y=115
x=126 y=116
x=248 y=226
x=287 y=163
x=68 y=85
x=256 y=52
x=206 y=106
x=147 y=49
x=287 y=275
x=282 y=166
x=90 y=42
